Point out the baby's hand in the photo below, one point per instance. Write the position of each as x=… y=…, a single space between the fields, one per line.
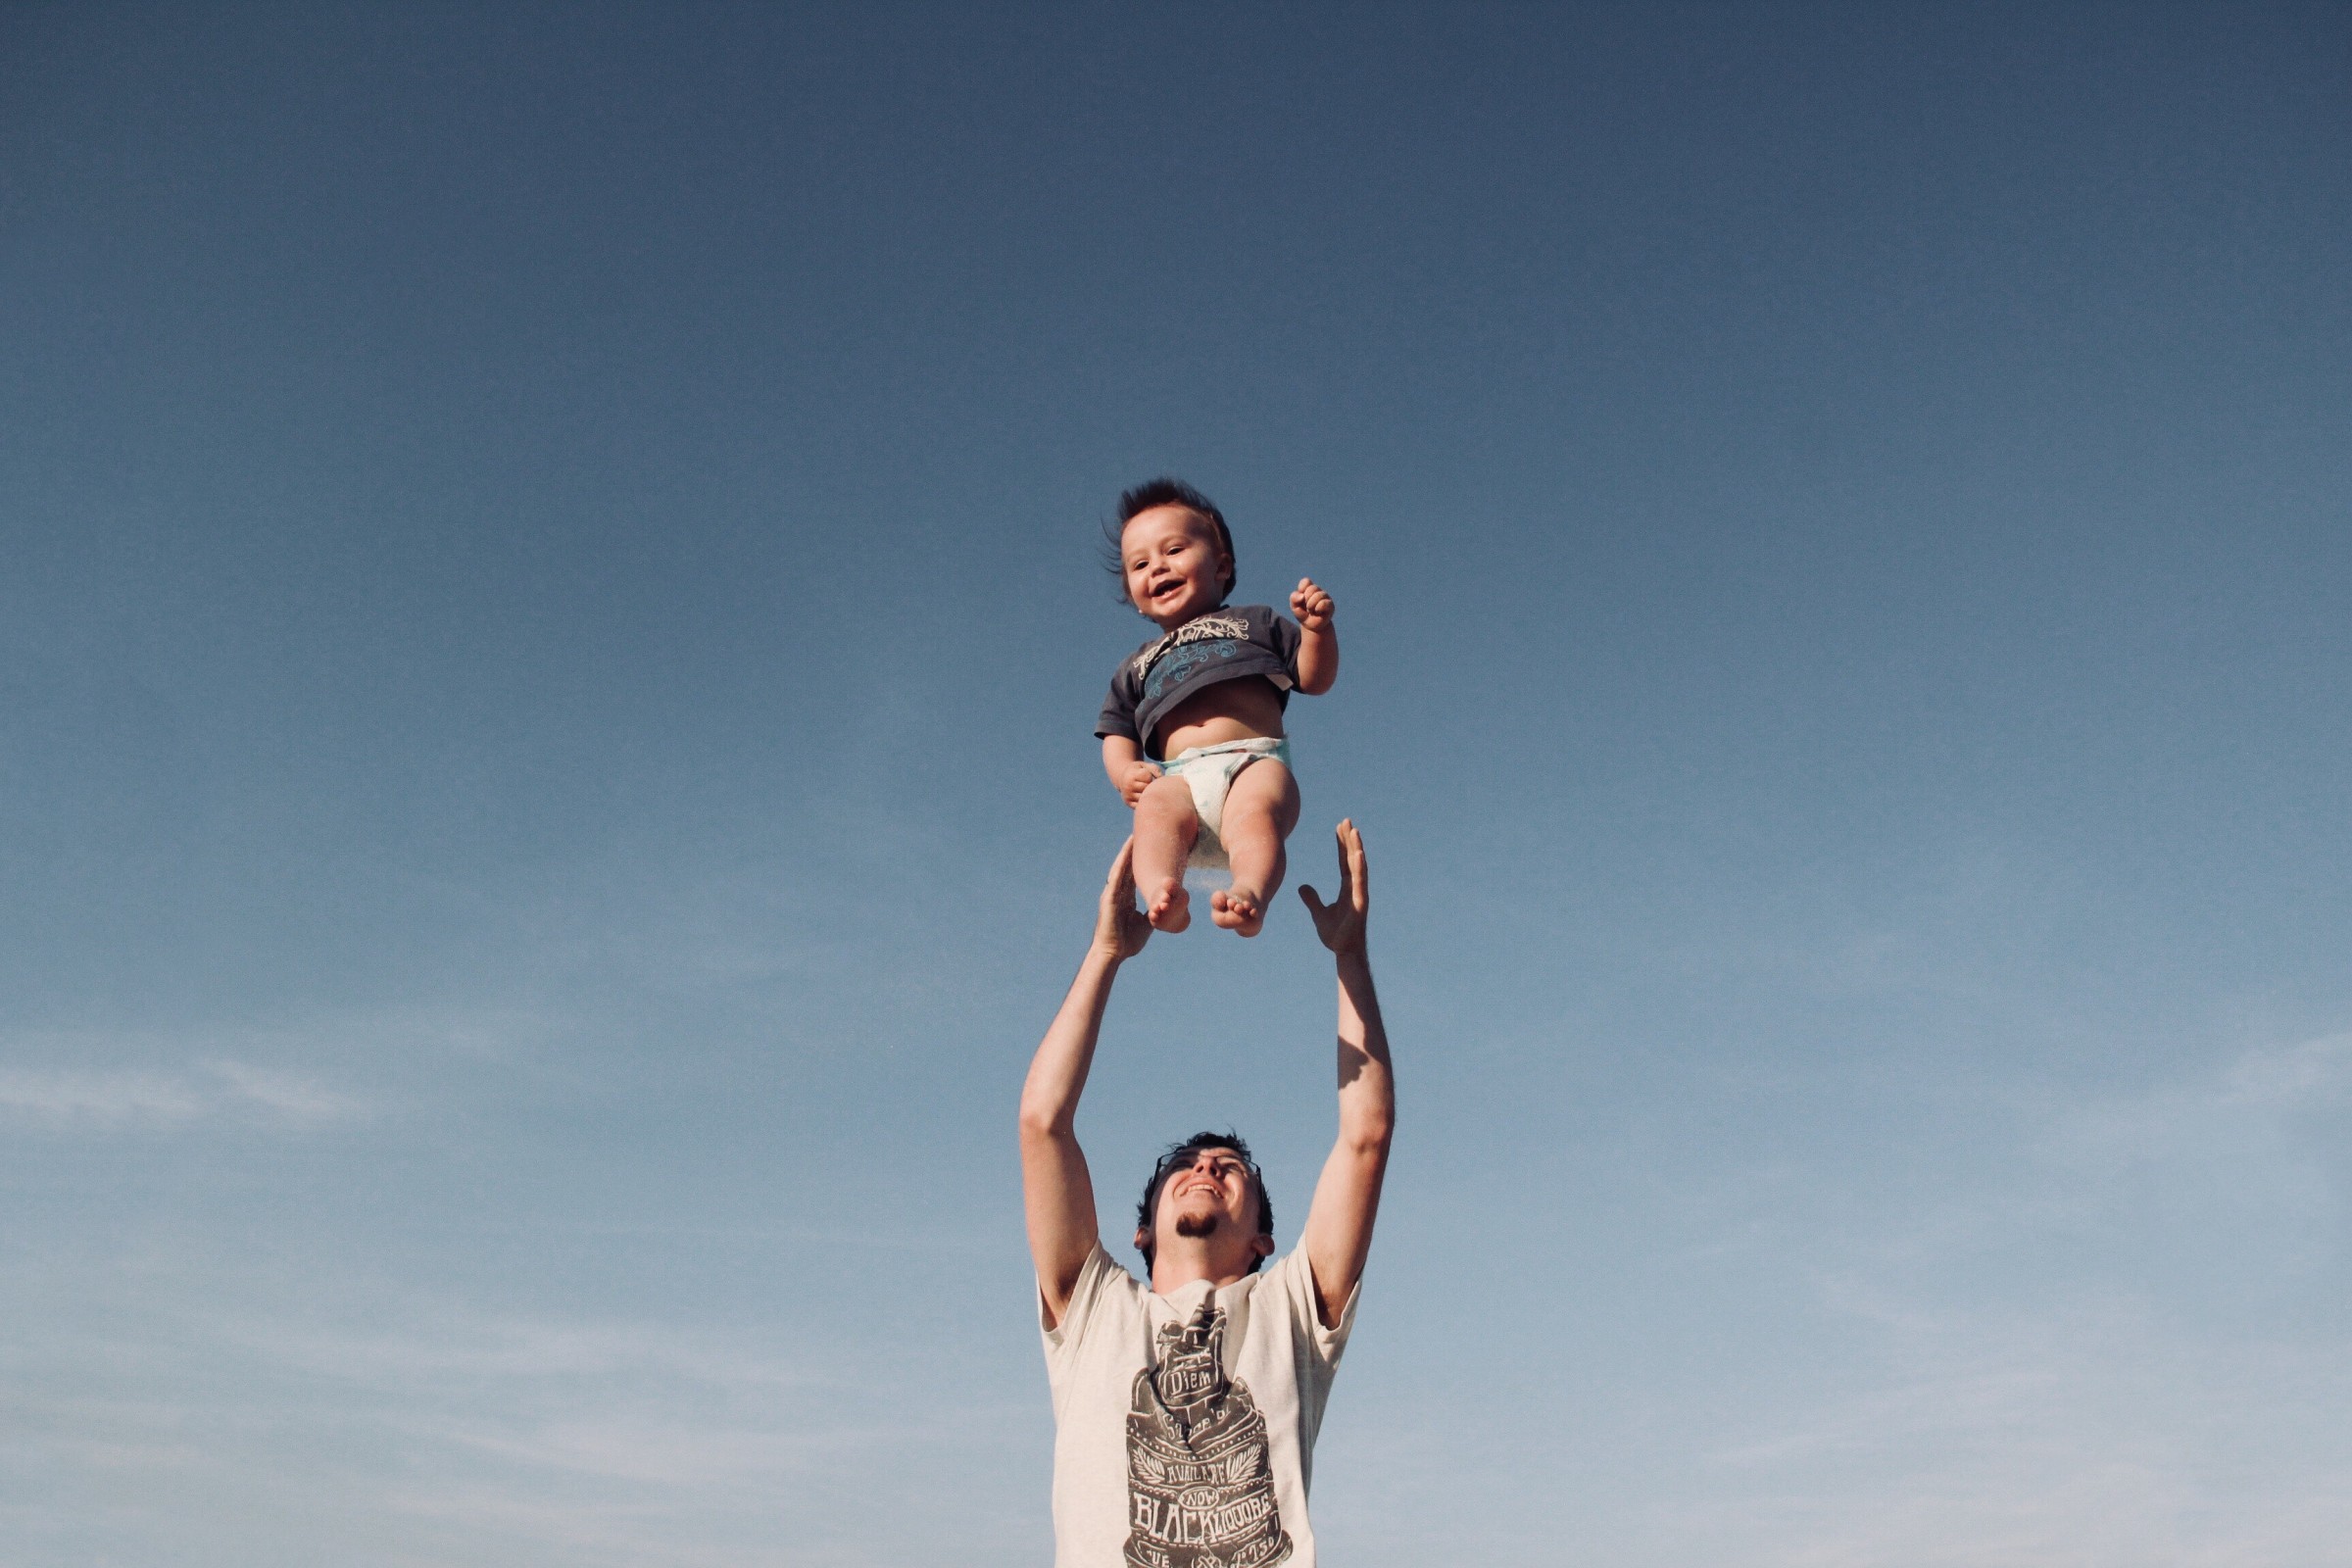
x=1311 y=605
x=1138 y=779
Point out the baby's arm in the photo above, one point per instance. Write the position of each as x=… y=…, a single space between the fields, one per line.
x=1130 y=774
x=1318 y=641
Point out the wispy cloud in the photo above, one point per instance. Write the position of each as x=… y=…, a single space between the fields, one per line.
x=2256 y=1089
x=2317 y=1072
x=2090 y=1354
x=466 y=1435
x=304 y=1073
x=469 y=1348
x=668 y=1454
x=233 y=1091
x=2257 y=1136
x=2095 y=1435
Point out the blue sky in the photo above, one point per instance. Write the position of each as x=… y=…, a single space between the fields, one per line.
x=552 y=618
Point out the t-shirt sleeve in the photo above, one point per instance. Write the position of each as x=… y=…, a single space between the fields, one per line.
x=1064 y=1336
x=1118 y=710
x=1092 y=1299
x=1287 y=637
x=1295 y=1278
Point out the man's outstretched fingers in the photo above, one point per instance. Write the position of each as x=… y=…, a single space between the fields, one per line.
x=1119 y=926
x=1351 y=854
x=1340 y=924
x=1119 y=887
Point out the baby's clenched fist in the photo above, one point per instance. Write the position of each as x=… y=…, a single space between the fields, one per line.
x=1138 y=779
x=1310 y=604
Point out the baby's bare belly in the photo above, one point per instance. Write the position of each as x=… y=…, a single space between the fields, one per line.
x=1239 y=709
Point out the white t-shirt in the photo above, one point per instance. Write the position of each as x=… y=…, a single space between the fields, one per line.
x=1184 y=1424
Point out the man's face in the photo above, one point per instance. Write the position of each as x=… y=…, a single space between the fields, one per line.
x=1211 y=1196
x=1172 y=564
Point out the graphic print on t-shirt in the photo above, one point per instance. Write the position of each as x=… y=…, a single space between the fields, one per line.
x=1200 y=1489
x=1177 y=666
x=1200 y=628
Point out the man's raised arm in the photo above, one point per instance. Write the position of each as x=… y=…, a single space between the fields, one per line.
x=1339 y=1226
x=1055 y=1189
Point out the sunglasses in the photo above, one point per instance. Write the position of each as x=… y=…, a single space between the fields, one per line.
x=1223 y=1161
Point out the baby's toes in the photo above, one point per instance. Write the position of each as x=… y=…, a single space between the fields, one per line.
x=1242 y=912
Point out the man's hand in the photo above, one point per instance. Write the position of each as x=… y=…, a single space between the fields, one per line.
x=1310 y=605
x=1137 y=779
x=1341 y=923
x=1120 y=928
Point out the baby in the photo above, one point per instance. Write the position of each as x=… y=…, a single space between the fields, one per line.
x=1192 y=735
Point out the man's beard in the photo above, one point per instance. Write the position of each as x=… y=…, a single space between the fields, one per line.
x=1193 y=1227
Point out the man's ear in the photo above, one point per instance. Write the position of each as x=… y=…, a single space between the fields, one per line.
x=1142 y=1236
x=1262 y=1245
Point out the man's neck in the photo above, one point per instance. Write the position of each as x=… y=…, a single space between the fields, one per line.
x=1172 y=1270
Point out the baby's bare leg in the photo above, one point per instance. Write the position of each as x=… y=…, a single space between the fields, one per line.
x=1165 y=826
x=1259 y=813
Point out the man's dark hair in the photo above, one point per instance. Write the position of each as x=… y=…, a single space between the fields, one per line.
x=1180 y=1157
x=1164 y=492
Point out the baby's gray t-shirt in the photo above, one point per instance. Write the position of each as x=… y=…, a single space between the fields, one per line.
x=1223 y=644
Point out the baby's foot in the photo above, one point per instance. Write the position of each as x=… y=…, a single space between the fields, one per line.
x=1237 y=909
x=1170 y=908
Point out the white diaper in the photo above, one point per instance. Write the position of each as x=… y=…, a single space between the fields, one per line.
x=1208 y=771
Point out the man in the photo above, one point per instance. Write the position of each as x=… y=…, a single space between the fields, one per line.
x=1186 y=1412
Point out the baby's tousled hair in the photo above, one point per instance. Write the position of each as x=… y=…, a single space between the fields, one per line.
x=1164 y=492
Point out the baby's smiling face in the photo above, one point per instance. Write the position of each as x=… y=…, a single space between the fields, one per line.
x=1173 y=566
